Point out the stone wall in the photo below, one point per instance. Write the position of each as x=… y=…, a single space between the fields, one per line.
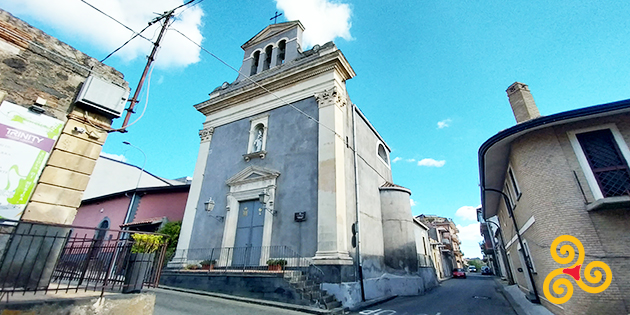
x=36 y=65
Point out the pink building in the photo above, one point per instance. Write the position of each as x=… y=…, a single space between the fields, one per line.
x=112 y=200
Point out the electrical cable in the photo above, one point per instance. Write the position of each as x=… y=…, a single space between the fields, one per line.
x=127 y=42
x=50 y=51
x=109 y=16
x=180 y=13
x=283 y=101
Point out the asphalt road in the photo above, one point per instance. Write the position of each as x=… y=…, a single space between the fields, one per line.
x=475 y=295
x=169 y=302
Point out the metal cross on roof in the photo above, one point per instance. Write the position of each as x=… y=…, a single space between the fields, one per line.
x=275 y=18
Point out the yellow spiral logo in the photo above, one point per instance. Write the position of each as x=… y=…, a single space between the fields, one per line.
x=563 y=286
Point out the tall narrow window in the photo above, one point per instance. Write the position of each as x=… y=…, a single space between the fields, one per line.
x=517 y=190
x=606 y=162
x=255 y=61
x=282 y=47
x=382 y=153
x=268 y=52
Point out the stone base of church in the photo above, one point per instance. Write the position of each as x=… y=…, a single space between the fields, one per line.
x=349 y=293
x=337 y=273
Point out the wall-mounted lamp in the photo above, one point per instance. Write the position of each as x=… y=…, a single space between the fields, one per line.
x=262 y=198
x=209 y=205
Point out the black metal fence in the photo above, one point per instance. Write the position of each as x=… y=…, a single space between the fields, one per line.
x=38 y=257
x=251 y=259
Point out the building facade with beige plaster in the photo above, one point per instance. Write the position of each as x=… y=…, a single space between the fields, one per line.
x=563 y=174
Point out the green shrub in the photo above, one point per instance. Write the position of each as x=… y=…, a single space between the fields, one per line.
x=276 y=262
x=146 y=243
x=208 y=262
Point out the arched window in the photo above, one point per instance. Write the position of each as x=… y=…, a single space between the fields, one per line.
x=383 y=153
x=282 y=47
x=255 y=61
x=268 y=52
x=100 y=234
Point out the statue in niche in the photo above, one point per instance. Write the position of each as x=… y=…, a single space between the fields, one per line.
x=258 y=141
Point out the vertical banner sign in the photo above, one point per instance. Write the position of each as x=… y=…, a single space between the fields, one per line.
x=26 y=140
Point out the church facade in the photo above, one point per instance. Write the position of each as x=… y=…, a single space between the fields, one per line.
x=286 y=159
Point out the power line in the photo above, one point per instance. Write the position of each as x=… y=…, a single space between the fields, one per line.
x=109 y=16
x=127 y=42
x=180 y=13
x=283 y=101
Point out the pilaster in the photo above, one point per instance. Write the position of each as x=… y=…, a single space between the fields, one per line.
x=193 y=195
x=332 y=240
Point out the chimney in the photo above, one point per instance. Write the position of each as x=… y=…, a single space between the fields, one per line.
x=522 y=102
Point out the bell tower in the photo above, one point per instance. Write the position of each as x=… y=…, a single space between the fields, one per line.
x=274 y=46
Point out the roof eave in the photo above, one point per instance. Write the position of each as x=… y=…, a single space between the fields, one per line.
x=508 y=135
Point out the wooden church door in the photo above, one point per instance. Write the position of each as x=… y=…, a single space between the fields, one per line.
x=249 y=232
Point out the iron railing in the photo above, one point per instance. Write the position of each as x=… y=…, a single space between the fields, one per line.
x=250 y=259
x=39 y=257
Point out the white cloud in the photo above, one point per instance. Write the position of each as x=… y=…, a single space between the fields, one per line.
x=470 y=237
x=80 y=22
x=396 y=159
x=410 y=160
x=323 y=20
x=117 y=157
x=467 y=213
x=431 y=163
x=413 y=203
x=444 y=123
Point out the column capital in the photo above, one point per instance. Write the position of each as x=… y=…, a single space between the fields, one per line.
x=206 y=134
x=330 y=97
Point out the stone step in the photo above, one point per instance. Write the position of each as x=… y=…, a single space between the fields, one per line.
x=326 y=298
x=338 y=311
x=333 y=305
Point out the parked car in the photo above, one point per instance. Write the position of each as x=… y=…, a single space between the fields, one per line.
x=485 y=270
x=459 y=273
x=472 y=269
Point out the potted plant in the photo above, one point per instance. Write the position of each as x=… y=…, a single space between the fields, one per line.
x=208 y=264
x=276 y=264
x=191 y=267
x=140 y=260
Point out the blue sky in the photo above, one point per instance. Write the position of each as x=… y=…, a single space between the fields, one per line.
x=431 y=75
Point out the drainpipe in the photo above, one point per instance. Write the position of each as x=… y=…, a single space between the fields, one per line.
x=528 y=262
x=356 y=197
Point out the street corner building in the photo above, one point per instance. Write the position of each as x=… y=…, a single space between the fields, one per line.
x=562 y=174
x=57 y=104
x=286 y=160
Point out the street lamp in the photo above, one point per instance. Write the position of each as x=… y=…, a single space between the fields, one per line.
x=528 y=262
x=135 y=191
x=502 y=248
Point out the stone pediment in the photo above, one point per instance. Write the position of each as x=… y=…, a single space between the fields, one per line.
x=252 y=174
x=270 y=31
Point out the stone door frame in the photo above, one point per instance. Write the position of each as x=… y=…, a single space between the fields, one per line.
x=247 y=185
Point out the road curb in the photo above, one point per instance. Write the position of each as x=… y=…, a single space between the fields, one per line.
x=373 y=302
x=515 y=306
x=293 y=307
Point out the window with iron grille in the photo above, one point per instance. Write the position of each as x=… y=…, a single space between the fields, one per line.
x=606 y=162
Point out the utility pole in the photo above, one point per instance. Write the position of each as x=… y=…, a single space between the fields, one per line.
x=166 y=16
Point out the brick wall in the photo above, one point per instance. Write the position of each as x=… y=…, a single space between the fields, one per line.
x=544 y=163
